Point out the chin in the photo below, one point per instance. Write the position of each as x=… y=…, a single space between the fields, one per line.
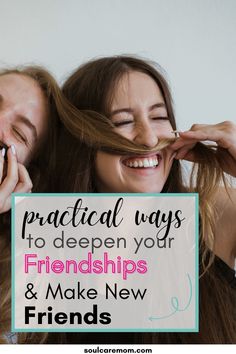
x=146 y=189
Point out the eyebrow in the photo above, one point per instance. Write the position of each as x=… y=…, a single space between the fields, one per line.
x=27 y=122
x=129 y=110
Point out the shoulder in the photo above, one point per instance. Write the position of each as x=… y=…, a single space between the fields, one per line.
x=225 y=224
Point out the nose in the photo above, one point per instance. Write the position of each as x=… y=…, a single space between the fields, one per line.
x=146 y=135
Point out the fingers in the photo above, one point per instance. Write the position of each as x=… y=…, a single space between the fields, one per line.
x=223 y=134
x=2 y=154
x=209 y=134
x=183 y=142
x=25 y=184
x=184 y=151
x=17 y=179
x=6 y=206
x=9 y=183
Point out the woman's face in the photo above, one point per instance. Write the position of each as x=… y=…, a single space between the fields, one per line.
x=139 y=114
x=23 y=115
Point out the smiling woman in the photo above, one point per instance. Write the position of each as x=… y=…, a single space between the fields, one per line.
x=28 y=118
x=127 y=143
x=29 y=103
x=139 y=113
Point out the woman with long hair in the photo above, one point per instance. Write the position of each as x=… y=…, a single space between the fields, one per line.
x=30 y=100
x=126 y=142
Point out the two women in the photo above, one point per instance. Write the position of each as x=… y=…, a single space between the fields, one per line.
x=127 y=143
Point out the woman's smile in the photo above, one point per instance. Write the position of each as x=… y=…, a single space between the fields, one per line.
x=147 y=165
x=143 y=162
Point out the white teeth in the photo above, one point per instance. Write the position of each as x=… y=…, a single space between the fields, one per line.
x=140 y=163
x=151 y=162
x=144 y=163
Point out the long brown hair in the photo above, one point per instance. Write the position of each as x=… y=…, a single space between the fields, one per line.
x=41 y=170
x=89 y=90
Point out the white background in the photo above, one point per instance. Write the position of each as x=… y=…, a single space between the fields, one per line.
x=193 y=40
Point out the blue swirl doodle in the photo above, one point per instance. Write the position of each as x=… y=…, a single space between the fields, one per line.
x=175 y=303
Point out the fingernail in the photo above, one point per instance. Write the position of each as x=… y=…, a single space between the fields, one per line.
x=3 y=152
x=13 y=149
x=176 y=132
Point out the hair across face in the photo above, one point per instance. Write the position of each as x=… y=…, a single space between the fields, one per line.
x=103 y=86
x=92 y=85
x=138 y=112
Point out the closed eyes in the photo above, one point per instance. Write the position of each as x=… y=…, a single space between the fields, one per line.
x=20 y=136
x=160 y=118
x=126 y=122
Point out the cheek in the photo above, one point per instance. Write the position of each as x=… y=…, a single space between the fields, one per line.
x=166 y=131
x=23 y=155
x=126 y=131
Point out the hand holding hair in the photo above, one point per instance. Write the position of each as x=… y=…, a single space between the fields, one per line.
x=223 y=134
